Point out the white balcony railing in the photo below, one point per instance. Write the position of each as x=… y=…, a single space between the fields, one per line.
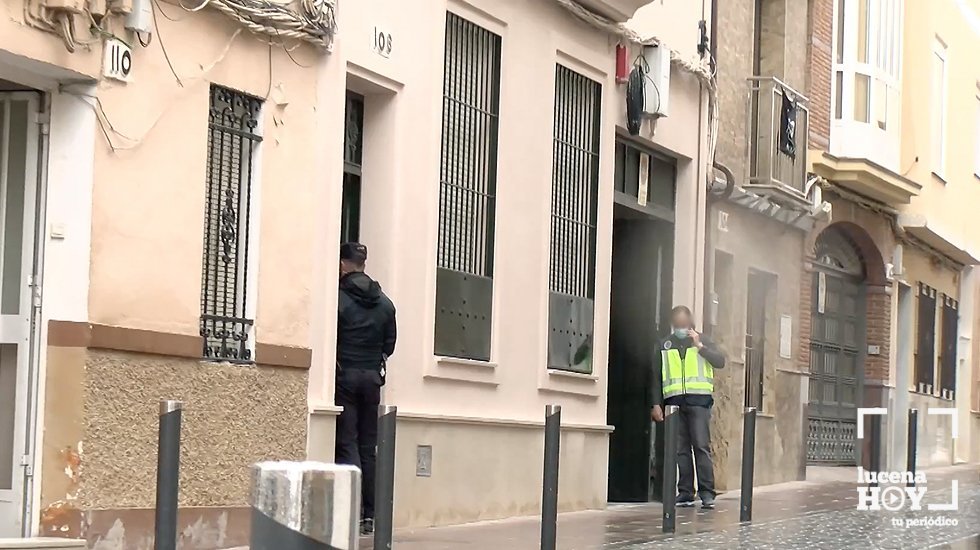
x=776 y=145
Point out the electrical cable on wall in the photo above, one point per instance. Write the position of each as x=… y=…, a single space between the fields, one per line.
x=105 y=123
x=312 y=21
x=634 y=100
x=700 y=67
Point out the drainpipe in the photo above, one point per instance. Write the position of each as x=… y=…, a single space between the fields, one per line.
x=706 y=317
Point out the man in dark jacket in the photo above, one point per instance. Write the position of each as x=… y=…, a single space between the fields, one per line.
x=684 y=364
x=365 y=340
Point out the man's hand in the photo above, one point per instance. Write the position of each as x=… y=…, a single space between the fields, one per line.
x=658 y=413
x=696 y=338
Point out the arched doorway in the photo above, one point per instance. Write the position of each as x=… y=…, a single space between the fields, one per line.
x=836 y=356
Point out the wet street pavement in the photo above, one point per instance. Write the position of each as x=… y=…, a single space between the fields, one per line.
x=811 y=515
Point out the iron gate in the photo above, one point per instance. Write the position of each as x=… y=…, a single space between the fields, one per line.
x=838 y=331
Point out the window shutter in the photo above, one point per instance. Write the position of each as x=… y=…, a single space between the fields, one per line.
x=925 y=352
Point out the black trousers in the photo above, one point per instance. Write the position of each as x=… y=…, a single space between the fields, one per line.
x=359 y=393
x=694 y=446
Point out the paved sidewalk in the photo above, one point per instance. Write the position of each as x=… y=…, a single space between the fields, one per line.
x=811 y=515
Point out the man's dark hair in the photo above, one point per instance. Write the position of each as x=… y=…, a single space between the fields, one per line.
x=681 y=309
x=355 y=253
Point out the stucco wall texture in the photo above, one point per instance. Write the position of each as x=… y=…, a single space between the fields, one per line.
x=234 y=416
x=484 y=471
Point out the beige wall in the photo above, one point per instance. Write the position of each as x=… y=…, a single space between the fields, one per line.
x=946 y=203
x=148 y=208
x=146 y=229
x=485 y=416
x=400 y=223
x=148 y=223
x=136 y=263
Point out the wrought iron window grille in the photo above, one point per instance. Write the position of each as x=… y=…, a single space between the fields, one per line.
x=233 y=139
x=467 y=191
x=574 y=209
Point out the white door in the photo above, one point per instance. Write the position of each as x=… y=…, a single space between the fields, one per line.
x=18 y=190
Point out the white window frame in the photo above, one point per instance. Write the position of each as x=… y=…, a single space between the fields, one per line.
x=976 y=138
x=938 y=139
x=883 y=69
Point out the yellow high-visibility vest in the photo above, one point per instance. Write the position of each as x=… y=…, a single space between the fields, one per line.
x=692 y=375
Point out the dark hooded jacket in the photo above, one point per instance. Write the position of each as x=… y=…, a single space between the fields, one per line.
x=365 y=324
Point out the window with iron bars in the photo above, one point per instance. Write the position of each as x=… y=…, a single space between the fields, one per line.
x=574 y=206
x=925 y=349
x=947 y=351
x=233 y=140
x=467 y=188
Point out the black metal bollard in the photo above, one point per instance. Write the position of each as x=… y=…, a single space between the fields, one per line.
x=912 y=443
x=305 y=506
x=748 y=463
x=168 y=475
x=671 y=420
x=875 y=446
x=549 y=496
x=384 y=500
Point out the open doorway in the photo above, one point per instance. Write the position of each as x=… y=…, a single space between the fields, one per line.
x=642 y=273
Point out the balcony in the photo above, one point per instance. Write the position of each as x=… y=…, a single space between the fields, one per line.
x=778 y=125
x=619 y=11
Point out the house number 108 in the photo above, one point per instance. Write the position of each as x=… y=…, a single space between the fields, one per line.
x=382 y=42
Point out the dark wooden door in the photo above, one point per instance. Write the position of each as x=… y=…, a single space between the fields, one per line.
x=837 y=334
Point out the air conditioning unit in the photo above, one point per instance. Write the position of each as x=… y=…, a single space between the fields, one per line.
x=656 y=89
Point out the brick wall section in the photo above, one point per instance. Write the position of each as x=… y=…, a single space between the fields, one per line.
x=879 y=306
x=818 y=86
x=805 y=317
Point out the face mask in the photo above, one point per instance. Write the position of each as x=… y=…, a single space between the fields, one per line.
x=680 y=332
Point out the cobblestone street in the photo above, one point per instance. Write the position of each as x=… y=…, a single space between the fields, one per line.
x=818 y=515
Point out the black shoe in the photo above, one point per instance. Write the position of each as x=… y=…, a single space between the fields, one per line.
x=708 y=503
x=367 y=526
x=684 y=502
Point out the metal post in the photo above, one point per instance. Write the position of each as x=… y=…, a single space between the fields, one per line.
x=671 y=420
x=384 y=500
x=748 y=463
x=168 y=475
x=912 y=443
x=874 y=463
x=549 y=496
x=305 y=506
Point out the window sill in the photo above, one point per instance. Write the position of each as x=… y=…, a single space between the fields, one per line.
x=562 y=382
x=940 y=177
x=570 y=375
x=465 y=363
x=230 y=362
x=325 y=410
x=466 y=371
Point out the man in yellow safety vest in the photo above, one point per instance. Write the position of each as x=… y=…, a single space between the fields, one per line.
x=684 y=364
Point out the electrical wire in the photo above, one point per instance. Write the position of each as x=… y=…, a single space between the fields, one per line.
x=109 y=129
x=154 y=6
